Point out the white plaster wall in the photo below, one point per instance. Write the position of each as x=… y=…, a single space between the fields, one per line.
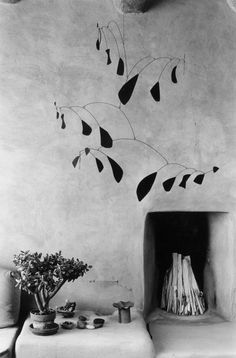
x=222 y=261
x=47 y=53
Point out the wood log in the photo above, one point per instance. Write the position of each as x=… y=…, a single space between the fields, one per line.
x=180 y=284
x=180 y=292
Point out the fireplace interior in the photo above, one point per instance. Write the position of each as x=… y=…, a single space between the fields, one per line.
x=204 y=236
x=207 y=237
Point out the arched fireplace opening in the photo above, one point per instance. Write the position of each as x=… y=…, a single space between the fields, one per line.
x=198 y=235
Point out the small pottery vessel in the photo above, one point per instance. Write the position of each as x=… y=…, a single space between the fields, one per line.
x=124 y=311
x=67 y=310
x=98 y=322
x=42 y=321
x=67 y=325
x=66 y=314
x=82 y=322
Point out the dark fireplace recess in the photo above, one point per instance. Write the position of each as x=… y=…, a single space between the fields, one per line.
x=186 y=233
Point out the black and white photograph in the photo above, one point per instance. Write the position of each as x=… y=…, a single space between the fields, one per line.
x=117 y=178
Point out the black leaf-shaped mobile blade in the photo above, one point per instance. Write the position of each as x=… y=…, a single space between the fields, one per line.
x=173 y=75
x=199 y=178
x=184 y=180
x=215 y=169
x=99 y=38
x=63 y=123
x=127 y=89
x=99 y=165
x=86 y=128
x=167 y=184
x=145 y=185
x=75 y=161
x=120 y=67
x=155 y=92
x=116 y=169
x=108 y=56
x=87 y=150
x=106 y=140
x=57 y=115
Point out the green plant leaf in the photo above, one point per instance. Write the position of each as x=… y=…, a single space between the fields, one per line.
x=99 y=165
x=108 y=56
x=86 y=128
x=106 y=140
x=116 y=169
x=184 y=180
x=199 y=179
x=121 y=67
x=155 y=92
x=173 y=75
x=145 y=185
x=75 y=161
x=167 y=184
x=127 y=89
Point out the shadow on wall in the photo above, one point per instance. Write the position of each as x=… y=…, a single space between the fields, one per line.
x=136 y=6
x=9 y=1
x=162 y=3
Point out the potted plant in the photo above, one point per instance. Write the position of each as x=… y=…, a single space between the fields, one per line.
x=42 y=277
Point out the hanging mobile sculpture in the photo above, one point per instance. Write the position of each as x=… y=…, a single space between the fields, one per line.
x=185 y=174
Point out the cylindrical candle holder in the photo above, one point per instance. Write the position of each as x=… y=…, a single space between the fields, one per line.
x=124 y=311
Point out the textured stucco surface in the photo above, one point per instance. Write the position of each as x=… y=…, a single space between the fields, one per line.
x=47 y=53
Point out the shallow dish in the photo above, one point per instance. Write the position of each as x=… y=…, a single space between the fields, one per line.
x=66 y=314
x=46 y=331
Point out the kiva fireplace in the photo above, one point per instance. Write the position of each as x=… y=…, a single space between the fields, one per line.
x=205 y=239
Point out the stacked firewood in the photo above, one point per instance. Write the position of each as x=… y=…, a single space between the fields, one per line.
x=180 y=292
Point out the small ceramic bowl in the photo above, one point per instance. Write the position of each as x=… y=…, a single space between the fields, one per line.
x=98 y=322
x=67 y=325
x=66 y=314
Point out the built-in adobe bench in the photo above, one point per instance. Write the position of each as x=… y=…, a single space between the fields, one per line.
x=113 y=340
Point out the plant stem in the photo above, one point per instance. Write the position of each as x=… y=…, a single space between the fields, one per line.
x=55 y=291
x=43 y=298
x=38 y=302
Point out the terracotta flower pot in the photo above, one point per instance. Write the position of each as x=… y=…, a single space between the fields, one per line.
x=43 y=321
